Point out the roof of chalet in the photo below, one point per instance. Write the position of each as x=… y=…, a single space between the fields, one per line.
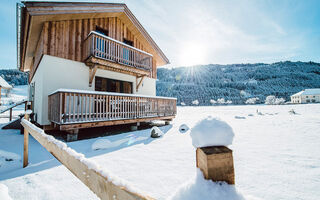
x=34 y=13
x=4 y=84
x=314 y=91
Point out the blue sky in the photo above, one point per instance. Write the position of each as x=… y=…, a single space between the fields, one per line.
x=212 y=31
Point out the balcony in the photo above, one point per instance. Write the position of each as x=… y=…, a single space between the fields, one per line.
x=74 y=109
x=104 y=51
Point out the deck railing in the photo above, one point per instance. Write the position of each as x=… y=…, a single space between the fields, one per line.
x=106 y=48
x=71 y=106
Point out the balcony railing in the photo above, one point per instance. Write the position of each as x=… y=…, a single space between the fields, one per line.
x=79 y=106
x=106 y=48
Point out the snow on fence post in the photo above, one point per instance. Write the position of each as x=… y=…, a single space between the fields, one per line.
x=25 y=143
x=211 y=136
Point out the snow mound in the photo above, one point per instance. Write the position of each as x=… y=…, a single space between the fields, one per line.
x=183 y=128
x=103 y=144
x=239 y=117
x=195 y=102
x=4 y=192
x=211 y=132
x=155 y=132
x=199 y=188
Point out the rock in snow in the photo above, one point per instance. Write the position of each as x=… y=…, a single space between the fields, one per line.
x=4 y=195
x=211 y=132
x=156 y=132
x=183 y=128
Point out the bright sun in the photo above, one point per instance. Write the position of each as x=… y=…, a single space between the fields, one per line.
x=192 y=54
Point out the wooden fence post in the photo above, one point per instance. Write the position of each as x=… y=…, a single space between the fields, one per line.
x=25 y=143
x=216 y=163
x=10 y=118
x=26 y=106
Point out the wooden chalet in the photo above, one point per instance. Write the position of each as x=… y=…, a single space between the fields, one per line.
x=89 y=64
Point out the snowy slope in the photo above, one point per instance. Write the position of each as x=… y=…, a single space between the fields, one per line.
x=276 y=157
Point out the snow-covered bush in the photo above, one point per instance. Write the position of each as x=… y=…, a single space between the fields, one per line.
x=273 y=100
x=195 y=102
x=252 y=100
x=221 y=101
x=211 y=132
x=212 y=101
x=182 y=103
x=244 y=94
x=280 y=101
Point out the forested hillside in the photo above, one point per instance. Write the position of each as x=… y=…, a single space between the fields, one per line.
x=237 y=82
x=14 y=76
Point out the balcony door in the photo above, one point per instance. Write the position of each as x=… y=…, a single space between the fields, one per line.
x=112 y=85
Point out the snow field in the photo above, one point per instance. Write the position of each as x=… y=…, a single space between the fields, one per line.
x=276 y=156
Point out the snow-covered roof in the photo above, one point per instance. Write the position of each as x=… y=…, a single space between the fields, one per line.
x=4 y=84
x=314 y=91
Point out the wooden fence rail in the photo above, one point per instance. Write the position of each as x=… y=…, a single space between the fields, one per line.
x=67 y=107
x=92 y=177
x=10 y=108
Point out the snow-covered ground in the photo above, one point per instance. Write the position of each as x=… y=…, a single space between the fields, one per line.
x=17 y=94
x=276 y=156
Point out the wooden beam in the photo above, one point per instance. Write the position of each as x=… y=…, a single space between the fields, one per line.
x=109 y=65
x=140 y=82
x=81 y=167
x=92 y=73
x=110 y=123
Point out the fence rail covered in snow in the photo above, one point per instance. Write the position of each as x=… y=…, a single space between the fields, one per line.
x=71 y=107
x=102 y=183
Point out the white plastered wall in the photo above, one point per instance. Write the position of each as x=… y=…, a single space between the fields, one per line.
x=54 y=73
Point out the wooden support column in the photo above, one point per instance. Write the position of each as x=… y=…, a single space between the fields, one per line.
x=92 y=73
x=25 y=144
x=216 y=163
x=139 y=82
x=10 y=115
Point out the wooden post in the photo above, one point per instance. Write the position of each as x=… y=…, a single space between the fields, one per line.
x=25 y=144
x=10 y=118
x=216 y=163
x=26 y=106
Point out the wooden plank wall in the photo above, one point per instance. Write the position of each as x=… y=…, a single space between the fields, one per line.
x=64 y=38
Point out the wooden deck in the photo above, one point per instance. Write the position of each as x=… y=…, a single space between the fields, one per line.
x=74 y=109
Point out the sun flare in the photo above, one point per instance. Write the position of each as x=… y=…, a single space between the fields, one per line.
x=192 y=53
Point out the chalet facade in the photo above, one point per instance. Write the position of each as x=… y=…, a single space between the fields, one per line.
x=90 y=64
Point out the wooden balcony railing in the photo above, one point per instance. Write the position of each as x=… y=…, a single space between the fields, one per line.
x=79 y=106
x=106 y=48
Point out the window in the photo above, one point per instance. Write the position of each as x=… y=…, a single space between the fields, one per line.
x=128 y=42
x=102 y=31
x=111 y=85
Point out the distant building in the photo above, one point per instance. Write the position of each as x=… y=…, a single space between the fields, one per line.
x=307 y=96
